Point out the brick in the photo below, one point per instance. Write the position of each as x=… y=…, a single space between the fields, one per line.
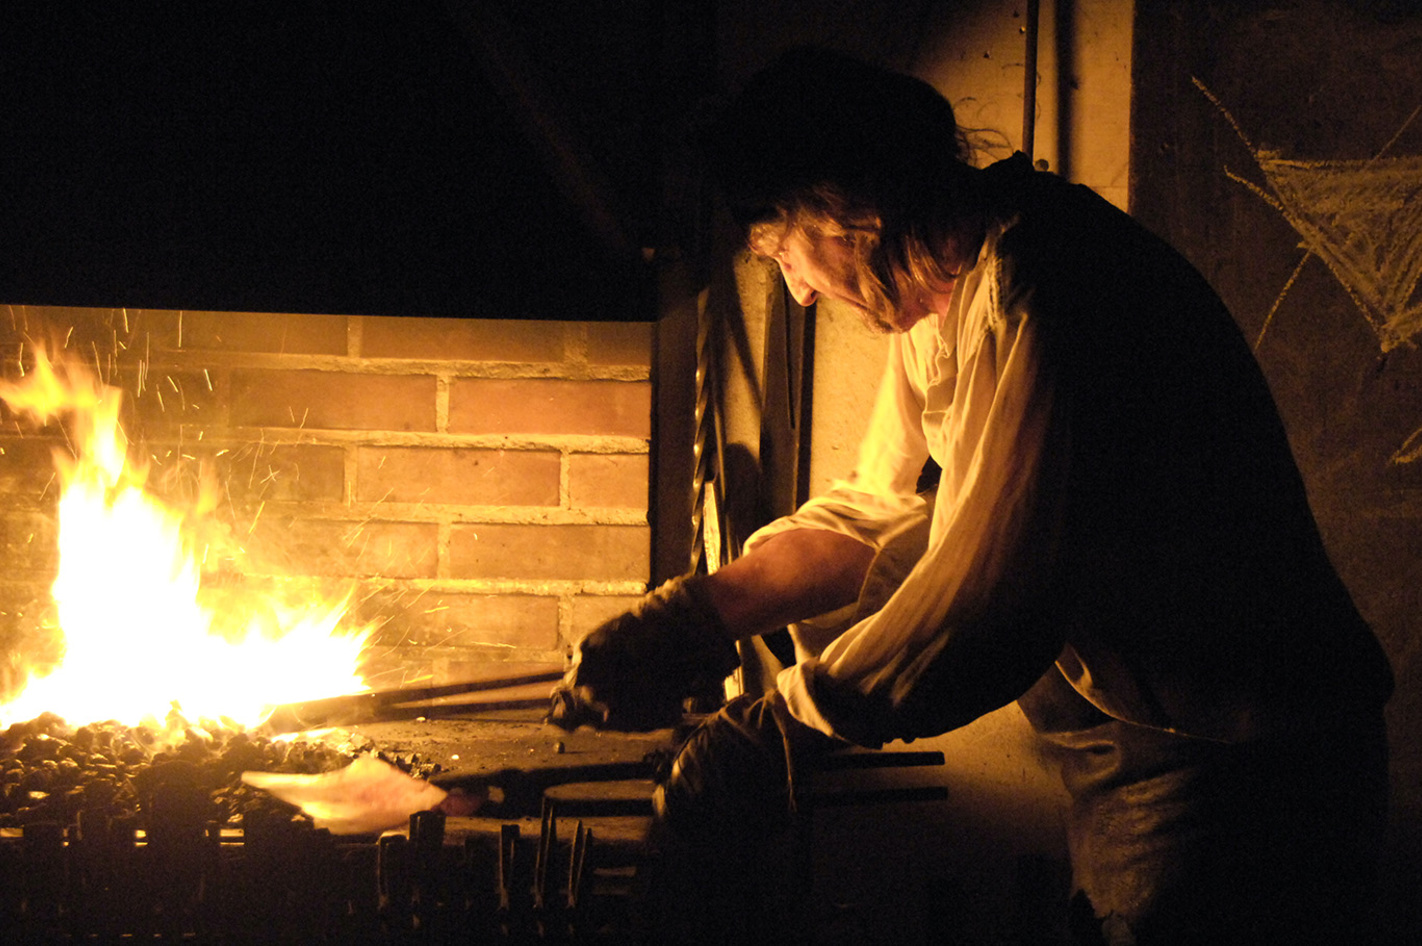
x=84 y=332
x=620 y=343
x=414 y=665
x=27 y=473
x=425 y=666
x=28 y=618
x=453 y=670
x=24 y=408
x=387 y=667
x=277 y=333
x=332 y=400
x=246 y=475
x=473 y=620
x=616 y=480
x=21 y=422
x=551 y=552
x=21 y=323
x=415 y=630
x=540 y=406
x=333 y=548
x=283 y=473
x=225 y=591
x=150 y=330
x=460 y=476
x=29 y=541
x=589 y=611
x=506 y=340
x=174 y=478
x=168 y=399
x=25 y=607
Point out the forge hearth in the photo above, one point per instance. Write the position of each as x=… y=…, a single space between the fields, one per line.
x=107 y=836
x=480 y=489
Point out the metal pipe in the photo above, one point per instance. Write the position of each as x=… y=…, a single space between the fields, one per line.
x=1029 y=80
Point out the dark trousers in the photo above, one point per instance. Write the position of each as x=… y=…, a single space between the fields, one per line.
x=1183 y=841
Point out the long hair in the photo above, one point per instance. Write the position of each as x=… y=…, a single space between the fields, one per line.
x=823 y=141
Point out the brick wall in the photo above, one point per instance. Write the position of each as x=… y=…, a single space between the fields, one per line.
x=481 y=485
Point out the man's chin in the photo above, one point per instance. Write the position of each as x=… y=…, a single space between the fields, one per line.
x=888 y=323
x=880 y=323
x=875 y=320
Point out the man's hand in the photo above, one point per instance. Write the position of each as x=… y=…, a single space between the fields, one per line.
x=735 y=774
x=635 y=671
x=721 y=812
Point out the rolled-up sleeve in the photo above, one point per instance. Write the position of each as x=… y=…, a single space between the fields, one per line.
x=965 y=633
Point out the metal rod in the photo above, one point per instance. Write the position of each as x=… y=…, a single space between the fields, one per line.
x=1029 y=81
x=397 y=695
x=577 y=864
x=384 y=704
x=508 y=844
x=547 y=845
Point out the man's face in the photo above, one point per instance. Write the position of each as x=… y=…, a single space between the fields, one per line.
x=820 y=266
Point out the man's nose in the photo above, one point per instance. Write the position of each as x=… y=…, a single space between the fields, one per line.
x=799 y=289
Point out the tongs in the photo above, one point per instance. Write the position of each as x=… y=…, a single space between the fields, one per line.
x=399 y=703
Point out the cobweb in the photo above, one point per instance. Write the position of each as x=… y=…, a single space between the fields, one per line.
x=1363 y=219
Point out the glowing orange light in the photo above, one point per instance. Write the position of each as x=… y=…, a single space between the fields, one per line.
x=138 y=638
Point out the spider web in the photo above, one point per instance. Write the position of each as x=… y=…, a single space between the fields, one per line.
x=1364 y=220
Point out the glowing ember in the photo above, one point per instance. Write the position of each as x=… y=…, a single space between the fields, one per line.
x=138 y=639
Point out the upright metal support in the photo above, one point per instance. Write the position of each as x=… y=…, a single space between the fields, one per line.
x=708 y=551
x=674 y=465
x=785 y=424
x=1029 y=81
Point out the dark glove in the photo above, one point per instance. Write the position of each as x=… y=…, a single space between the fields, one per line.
x=636 y=671
x=734 y=777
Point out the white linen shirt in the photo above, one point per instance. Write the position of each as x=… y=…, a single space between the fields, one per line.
x=1117 y=496
x=964 y=389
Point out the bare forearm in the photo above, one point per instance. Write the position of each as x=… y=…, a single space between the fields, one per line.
x=790 y=577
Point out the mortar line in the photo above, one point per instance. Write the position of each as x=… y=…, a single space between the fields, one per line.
x=442 y=385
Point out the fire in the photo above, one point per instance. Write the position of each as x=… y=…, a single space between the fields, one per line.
x=139 y=640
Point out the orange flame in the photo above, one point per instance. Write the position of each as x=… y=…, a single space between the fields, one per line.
x=138 y=639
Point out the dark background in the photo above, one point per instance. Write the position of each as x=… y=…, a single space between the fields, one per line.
x=1310 y=81
x=417 y=158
